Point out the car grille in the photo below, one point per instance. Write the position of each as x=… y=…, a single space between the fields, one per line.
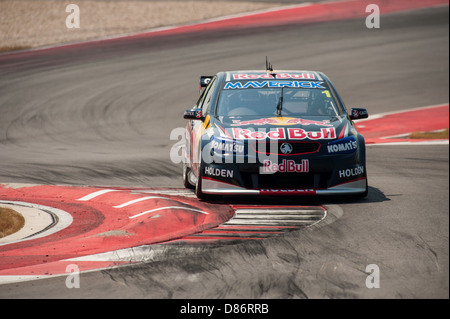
x=298 y=148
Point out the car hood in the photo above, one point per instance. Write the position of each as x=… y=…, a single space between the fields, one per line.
x=313 y=127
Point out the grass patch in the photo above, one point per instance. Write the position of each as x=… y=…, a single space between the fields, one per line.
x=441 y=135
x=10 y=221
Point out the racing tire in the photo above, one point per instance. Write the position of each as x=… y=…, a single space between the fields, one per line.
x=363 y=154
x=364 y=195
x=361 y=195
x=198 y=185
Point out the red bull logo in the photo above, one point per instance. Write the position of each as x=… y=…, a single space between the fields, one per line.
x=282 y=133
x=286 y=166
x=281 y=121
x=284 y=75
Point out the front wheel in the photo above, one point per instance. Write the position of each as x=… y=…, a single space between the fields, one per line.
x=198 y=185
x=361 y=195
x=364 y=195
x=186 y=173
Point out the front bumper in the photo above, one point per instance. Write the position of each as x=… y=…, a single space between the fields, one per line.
x=212 y=186
x=312 y=168
x=297 y=175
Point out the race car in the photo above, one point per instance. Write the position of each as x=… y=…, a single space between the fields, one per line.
x=273 y=133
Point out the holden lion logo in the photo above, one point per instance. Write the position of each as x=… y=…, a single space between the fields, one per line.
x=286 y=148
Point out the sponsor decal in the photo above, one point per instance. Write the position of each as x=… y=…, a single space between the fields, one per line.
x=300 y=134
x=218 y=172
x=300 y=76
x=282 y=133
x=297 y=191
x=286 y=148
x=247 y=134
x=343 y=146
x=351 y=172
x=281 y=121
x=286 y=166
x=274 y=84
x=230 y=147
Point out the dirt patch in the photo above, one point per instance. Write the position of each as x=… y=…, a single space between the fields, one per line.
x=441 y=135
x=10 y=221
x=36 y=23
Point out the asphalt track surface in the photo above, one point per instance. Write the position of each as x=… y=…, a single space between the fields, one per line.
x=102 y=115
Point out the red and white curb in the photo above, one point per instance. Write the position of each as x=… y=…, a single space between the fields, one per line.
x=97 y=228
x=40 y=221
x=63 y=223
x=393 y=128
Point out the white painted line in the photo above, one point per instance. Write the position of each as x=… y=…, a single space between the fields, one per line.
x=143 y=253
x=169 y=207
x=268 y=222
x=176 y=192
x=13 y=279
x=276 y=217
x=292 y=211
x=95 y=194
x=137 y=200
x=429 y=143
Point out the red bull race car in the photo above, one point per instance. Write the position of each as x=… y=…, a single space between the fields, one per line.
x=273 y=133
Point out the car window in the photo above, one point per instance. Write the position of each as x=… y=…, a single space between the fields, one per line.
x=237 y=101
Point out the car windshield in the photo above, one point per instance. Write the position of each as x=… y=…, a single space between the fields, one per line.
x=242 y=99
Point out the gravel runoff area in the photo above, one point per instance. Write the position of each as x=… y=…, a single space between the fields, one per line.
x=35 y=23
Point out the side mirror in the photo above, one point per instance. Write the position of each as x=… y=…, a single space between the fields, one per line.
x=358 y=113
x=193 y=114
